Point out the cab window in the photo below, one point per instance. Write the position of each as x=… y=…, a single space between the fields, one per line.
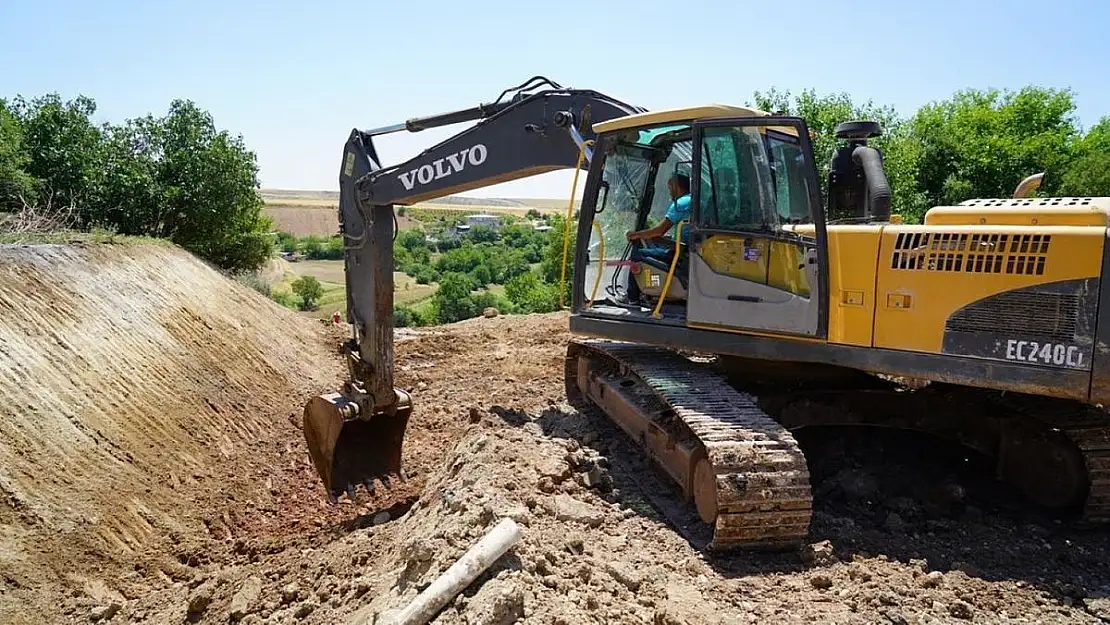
x=753 y=178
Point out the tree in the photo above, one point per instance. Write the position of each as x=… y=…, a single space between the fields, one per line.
x=16 y=184
x=210 y=183
x=1089 y=173
x=63 y=148
x=822 y=115
x=452 y=299
x=175 y=177
x=529 y=295
x=309 y=289
x=981 y=143
x=412 y=240
x=287 y=242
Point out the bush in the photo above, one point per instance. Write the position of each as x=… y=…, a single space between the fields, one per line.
x=529 y=295
x=452 y=300
x=424 y=274
x=255 y=282
x=405 y=317
x=285 y=298
x=309 y=289
x=287 y=242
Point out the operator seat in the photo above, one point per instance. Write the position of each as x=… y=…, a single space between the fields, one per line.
x=659 y=258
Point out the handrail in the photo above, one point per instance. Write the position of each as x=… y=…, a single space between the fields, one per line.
x=570 y=215
x=670 y=272
x=600 y=262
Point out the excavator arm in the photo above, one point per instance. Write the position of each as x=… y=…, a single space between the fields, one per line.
x=355 y=436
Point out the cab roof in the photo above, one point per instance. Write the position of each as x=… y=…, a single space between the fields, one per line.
x=668 y=116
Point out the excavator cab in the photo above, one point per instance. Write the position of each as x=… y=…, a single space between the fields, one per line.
x=749 y=251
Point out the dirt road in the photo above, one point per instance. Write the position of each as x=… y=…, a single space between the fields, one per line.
x=153 y=472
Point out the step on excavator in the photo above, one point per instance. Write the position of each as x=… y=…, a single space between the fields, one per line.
x=747 y=304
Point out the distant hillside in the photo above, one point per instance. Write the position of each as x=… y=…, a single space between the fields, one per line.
x=297 y=197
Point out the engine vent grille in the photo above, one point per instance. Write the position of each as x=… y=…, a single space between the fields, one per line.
x=1038 y=202
x=1048 y=316
x=1023 y=254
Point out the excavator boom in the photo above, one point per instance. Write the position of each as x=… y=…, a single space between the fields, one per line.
x=355 y=436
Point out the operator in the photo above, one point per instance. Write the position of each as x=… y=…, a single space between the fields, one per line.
x=679 y=210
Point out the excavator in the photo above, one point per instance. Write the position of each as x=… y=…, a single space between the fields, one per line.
x=775 y=303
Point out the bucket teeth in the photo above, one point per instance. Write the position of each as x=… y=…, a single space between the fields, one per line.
x=385 y=482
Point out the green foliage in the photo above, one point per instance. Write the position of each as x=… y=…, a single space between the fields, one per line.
x=482 y=234
x=285 y=298
x=287 y=242
x=405 y=317
x=309 y=289
x=412 y=240
x=824 y=113
x=452 y=300
x=64 y=148
x=1089 y=173
x=530 y=295
x=552 y=263
x=982 y=143
x=533 y=214
x=15 y=182
x=423 y=274
x=175 y=177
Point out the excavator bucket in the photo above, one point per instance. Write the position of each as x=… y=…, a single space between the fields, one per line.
x=351 y=452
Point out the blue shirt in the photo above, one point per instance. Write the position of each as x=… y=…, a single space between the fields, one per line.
x=679 y=210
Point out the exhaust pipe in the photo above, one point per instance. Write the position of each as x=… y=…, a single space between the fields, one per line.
x=1026 y=187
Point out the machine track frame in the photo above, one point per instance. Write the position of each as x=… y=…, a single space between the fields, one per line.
x=1056 y=451
x=743 y=471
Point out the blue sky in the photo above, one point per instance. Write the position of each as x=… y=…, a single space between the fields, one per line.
x=294 y=77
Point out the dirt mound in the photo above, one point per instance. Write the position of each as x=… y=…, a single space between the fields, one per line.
x=136 y=383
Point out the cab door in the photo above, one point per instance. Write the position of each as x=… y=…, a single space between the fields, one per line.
x=758 y=251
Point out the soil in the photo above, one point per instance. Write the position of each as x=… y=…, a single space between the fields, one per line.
x=153 y=471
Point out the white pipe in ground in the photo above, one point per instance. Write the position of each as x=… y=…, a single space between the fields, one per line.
x=461 y=574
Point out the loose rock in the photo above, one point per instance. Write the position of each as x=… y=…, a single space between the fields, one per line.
x=245 y=600
x=568 y=508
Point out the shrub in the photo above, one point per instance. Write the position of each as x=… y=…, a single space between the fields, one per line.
x=424 y=274
x=452 y=300
x=530 y=295
x=405 y=317
x=285 y=298
x=287 y=242
x=255 y=282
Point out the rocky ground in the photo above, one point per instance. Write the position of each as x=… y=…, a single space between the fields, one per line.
x=905 y=530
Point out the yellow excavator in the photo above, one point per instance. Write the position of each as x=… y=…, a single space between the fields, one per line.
x=983 y=325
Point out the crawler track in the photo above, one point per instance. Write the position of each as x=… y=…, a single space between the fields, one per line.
x=1088 y=429
x=750 y=478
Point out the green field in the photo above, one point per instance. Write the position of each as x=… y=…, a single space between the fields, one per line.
x=330 y=275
